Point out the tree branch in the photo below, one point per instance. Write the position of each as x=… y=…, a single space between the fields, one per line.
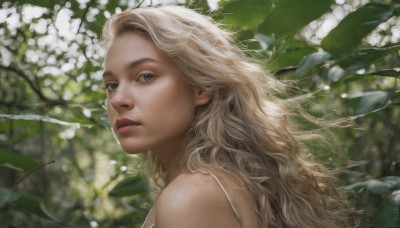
x=285 y=70
x=85 y=13
x=140 y=3
x=30 y=172
x=49 y=102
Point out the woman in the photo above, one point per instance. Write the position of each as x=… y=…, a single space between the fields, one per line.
x=219 y=142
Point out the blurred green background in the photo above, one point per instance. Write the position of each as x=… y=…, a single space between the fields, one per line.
x=61 y=166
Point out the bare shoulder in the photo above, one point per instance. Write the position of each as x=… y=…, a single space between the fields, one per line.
x=194 y=200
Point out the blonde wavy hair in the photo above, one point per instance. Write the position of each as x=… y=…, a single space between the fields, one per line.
x=246 y=129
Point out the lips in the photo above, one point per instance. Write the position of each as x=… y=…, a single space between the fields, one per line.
x=124 y=125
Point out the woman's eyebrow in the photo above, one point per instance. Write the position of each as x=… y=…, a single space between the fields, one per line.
x=138 y=62
x=131 y=65
x=107 y=74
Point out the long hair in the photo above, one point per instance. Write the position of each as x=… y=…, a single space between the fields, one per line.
x=247 y=129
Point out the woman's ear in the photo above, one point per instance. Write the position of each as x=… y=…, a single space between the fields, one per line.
x=201 y=97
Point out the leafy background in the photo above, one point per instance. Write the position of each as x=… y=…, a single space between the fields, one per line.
x=59 y=163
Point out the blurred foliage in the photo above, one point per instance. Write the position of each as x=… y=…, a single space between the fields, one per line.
x=59 y=163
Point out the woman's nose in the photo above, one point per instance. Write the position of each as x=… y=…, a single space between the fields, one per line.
x=122 y=99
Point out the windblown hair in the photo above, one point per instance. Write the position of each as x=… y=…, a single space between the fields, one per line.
x=246 y=129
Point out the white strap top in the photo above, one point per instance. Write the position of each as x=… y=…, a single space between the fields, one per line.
x=148 y=224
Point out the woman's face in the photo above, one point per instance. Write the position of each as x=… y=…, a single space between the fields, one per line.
x=148 y=104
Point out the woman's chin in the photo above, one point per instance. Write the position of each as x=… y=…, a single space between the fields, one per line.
x=134 y=150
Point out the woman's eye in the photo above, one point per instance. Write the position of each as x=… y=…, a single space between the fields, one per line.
x=145 y=77
x=111 y=86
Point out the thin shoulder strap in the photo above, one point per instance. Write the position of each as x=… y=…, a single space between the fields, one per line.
x=146 y=221
x=228 y=196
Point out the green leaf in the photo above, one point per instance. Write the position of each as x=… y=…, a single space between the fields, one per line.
x=16 y=160
x=392 y=181
x=382 y=73
x=130 y=186
x=291 y=15
x=365 y=57
x=386 y=73
x=310 y=63
x=200 y=6
x=245 y=14
x=370 y=101
x=76 y=10
x=42 y=118
x=7 y=196
x=377 y=187
x=243 y=35
x=37 y=208
x=335 y=73
x=388 y=212
x=347 y=35
x=357 y=187
x=290 y=54
x=97 y=25
x=266 y=42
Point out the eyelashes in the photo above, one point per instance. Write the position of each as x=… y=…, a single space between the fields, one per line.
x=142 y=78
x=145 y=77
x=110 y=86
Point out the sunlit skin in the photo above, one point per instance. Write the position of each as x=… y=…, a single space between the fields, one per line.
x=144 y=86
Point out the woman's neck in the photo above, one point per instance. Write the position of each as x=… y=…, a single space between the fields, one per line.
x=170 y=156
